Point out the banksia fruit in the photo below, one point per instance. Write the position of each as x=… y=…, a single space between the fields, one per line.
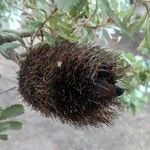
x=72 y=82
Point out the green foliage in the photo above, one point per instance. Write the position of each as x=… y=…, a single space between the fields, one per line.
x=145 y=44
x=65 y=4
x=64 y=29
x=7 y=46
x=147 y=32
x=4 y=137
x=7 y=12
x=136 y=25
x=10 y=125
x=11 y=111
x=7 y=113
x=128 y=15
x=77 y=9
x=136 y=81
x=107 y=9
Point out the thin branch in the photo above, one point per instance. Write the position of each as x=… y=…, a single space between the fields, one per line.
x=39 y=29
x=8 y=90
x=6 y=39
x=87 y=25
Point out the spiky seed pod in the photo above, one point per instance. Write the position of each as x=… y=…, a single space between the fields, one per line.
x=72 y=82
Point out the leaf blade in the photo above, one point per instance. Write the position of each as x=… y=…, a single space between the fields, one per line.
x=128 y=15
x=3 y=137
x=12 y=111
x=147 y=31
x=136 y=26
x=105 y=7
x=11 y=45
x=10 y=125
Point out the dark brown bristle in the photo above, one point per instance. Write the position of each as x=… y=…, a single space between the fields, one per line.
x=71 y=82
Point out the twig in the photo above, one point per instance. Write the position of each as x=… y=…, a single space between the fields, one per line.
x=86 y=25
x=39 y=29
x=8 y=90
x=23 y=34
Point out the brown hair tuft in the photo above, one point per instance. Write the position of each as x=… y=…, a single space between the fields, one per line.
x=72 y=82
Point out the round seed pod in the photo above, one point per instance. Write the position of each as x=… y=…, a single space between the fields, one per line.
x=72 y=82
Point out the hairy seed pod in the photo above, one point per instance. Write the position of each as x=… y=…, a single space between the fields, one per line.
x=72 y=82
